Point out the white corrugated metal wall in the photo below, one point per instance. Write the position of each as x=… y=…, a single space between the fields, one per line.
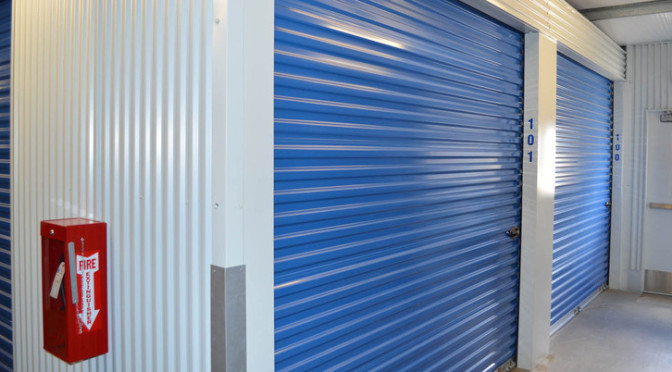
x=648 y=87
x=110 y=103
x=577 y=37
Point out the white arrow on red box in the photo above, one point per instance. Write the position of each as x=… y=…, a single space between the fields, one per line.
x=86 y=267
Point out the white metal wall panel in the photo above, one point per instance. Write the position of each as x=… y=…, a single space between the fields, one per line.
x=649 y=88
x=582 y=37
x=576 y=35
x=109 y=117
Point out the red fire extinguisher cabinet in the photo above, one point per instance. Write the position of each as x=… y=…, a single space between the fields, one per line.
x=74 y=288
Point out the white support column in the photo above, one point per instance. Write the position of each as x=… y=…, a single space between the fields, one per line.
x=624 y=273
x=242 y=182
x=538 y=196
x=259 y=41
x=618 y=259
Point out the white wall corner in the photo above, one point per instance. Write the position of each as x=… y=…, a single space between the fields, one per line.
x=242 y=153
x=538 y=198
x=259 y=36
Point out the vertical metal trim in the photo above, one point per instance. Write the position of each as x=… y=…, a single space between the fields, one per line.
x=228 y=319
x=218 y=317
x=616 y=255
x=241 y=143
x=538 y=194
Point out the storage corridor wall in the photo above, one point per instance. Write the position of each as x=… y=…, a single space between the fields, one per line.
x=397 y=175
x=6 y=328
x=649 y=88
x=110 y=122
x=582 y=186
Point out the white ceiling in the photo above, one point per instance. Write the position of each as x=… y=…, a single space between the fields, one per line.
x=630 y=30
x=587 y=4
x=639 y=29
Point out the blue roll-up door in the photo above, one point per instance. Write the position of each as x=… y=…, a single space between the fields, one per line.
x=582 y=186
x=6 y=343
x=397 y=174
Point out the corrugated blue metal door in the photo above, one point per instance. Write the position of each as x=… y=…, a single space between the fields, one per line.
x=397 y=174
x=582 y=186
x=6 y=340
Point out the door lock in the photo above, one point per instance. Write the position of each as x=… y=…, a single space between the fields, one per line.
x=514 y=232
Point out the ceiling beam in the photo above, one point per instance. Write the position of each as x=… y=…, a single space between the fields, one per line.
x=628 y=10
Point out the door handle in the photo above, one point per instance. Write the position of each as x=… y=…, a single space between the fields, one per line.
x=660 y=206
x=73 y=272
x=514 y=232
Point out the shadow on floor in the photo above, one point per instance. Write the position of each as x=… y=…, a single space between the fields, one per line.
x=619 y=331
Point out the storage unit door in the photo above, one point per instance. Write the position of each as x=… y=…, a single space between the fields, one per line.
x=397 y=173
x=6 y=340
x=582 y=186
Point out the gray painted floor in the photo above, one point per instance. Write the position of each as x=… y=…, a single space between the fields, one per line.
x=619 y=331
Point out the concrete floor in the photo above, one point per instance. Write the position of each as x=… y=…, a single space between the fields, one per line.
x=619 y=331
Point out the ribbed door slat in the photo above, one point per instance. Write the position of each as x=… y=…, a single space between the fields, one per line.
x=397 y=173
x=582 y=186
